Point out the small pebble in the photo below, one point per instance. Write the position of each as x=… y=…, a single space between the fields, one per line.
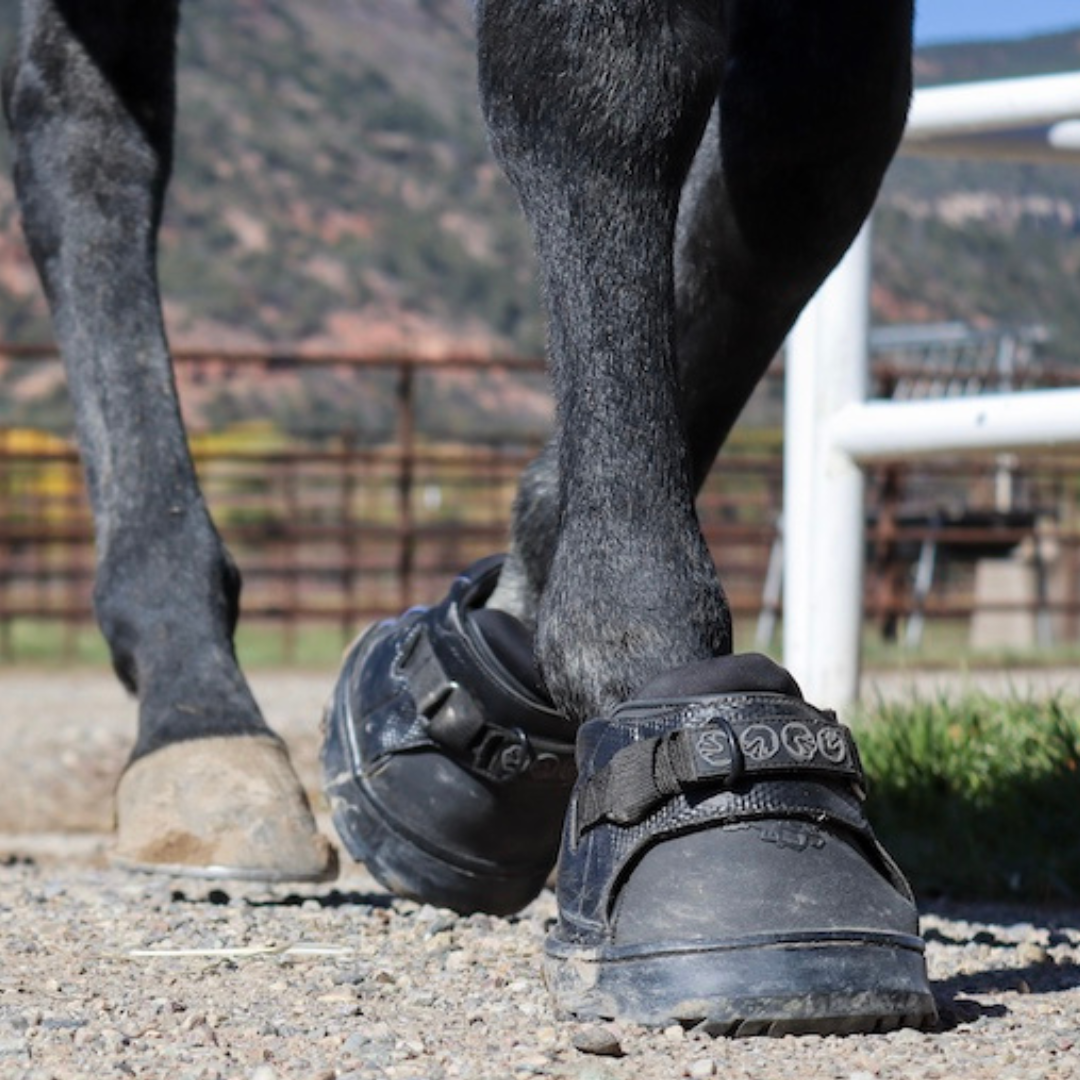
x=597 y=1039
x=1031 y=954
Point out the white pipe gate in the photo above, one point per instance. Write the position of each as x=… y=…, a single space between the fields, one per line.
x=830 y=429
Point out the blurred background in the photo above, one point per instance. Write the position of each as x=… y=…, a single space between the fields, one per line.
x=350 y=293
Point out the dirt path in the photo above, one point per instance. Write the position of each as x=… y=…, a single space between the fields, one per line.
x=342 y=981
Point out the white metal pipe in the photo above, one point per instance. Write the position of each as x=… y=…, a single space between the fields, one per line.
x=993 y=105
x=828 y=424
x=1065 y=136
x=882 y=429
x=823 y=488
x=1056 y=145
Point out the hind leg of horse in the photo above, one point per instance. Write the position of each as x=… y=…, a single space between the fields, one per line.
x=717 y=866
x=90 y=100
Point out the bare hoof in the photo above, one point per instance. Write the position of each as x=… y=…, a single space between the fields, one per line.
x=219 y=807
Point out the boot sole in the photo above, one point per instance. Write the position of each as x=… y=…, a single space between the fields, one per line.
x=822 y=985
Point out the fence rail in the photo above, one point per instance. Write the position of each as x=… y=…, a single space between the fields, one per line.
x=330 y=529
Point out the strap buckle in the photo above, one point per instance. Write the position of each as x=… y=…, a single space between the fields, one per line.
x=452 y=718
x=503 y=754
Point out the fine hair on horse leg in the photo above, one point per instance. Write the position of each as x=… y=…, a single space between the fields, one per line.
x=595 y=111
x=735 y=304
x=90 y=100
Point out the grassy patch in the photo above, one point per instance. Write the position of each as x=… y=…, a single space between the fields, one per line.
x=978 y=798
x=946 y=645
x=49 y=643
x=259 y=644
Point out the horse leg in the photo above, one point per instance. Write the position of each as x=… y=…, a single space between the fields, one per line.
x=717 y=866
x=90 y=102
x=715 y=849
x=735 y=299
x=599 y=158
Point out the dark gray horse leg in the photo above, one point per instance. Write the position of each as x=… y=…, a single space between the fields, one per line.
x=746 y=263
x=596 y=111
x=717 y=866
x=811 y=109
x=90 y=101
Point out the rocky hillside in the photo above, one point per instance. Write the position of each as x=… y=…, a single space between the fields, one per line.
x=989 y=243
x=334 y=188
x=333 y=184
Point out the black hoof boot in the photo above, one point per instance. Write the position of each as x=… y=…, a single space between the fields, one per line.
x=447 y=769
x=718 y=871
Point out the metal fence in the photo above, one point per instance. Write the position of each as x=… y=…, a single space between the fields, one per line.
x=332 y=525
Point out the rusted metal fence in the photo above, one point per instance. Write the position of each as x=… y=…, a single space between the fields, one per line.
x=329 y=525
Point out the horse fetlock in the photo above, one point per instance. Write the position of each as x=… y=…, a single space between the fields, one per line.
x=601 y=638
x=535 y=533
x=169 y=628
x=151 y=580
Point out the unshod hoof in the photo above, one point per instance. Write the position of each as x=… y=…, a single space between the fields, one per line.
x=219 y=807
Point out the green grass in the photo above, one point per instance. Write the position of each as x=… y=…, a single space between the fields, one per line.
x=978 y=798
x=266 y=643
x=44 y=642
x=259 y=644
x=944 y=647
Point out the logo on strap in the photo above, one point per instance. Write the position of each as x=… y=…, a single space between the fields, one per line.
x=795 y=742
x=799 y=741
x=759 y=742
x=833 y=746
x=714 y=748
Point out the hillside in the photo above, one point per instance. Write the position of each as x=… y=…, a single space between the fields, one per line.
x=333 y=183
x=334 y=188
x=986 y=242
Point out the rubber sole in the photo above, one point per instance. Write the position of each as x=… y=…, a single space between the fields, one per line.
x=805 y=986
x=396 y=858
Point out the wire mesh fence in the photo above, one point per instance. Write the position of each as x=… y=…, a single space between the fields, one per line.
x=350 y=487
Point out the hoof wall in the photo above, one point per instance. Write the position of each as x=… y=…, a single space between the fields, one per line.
x=219 y=808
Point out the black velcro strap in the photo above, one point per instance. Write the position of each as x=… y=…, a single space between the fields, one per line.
x=449 y=714
x=452 y=718
x=720 y=754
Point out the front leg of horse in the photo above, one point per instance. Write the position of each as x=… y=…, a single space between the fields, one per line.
x=717 y=867
x=597 y=129
x=209 y=788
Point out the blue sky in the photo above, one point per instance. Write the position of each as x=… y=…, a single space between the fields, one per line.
x=966 y=20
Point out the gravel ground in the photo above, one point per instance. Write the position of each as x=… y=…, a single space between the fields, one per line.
x=108 y=974
x=104 y=973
